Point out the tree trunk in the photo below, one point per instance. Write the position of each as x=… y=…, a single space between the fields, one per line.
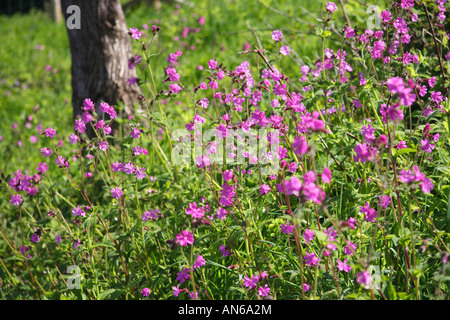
x=100 y=50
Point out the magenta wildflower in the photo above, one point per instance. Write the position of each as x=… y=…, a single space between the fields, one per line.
x=135 y=33
x=88 y=104
x=73 y=138
x=331 y=7
x=57 y=238
x=348 y=248
x=16 y=199
x=306 y=287
x=299 y=145
x=199 y=262
x=363 y=153
x=432 y=82
x=227 y=175
x=264 y=189
x=145 y=292
x=185 y=237
x=277 y=35
x=195 y=211
x=427 y=146
x=103 y=145
x=284 y=50
x=264 y=291
x=343 y=266
x=225 y=251
x=308 y=235
x=150 y=214
x=212 y=64
x=364 y=279
x=221 y=213
x=385 y=200
x=311 y=259
x=116 y=193
x=401 y=145
x=78 y=212
x=386 y=16
x=50 y=132
x=227 y=194
x=326 y=175
x=176 y=290
x=79 y=126
x=35 y=238
x=370 y=213
x=287 y=228
x=42 y=167
x=46 y=152
x=250 y=283
x=183 y=275
x=61 y=162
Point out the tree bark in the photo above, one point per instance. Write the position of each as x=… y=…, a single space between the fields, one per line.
x=100 y=51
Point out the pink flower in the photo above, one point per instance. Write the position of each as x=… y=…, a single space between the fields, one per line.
x=299 y=145
x=401 y=145
x=73 y=138
x=350 y=33
x=49 y=132
x=16 y=199
x=311 y=259
x=370 y=213
x=287 y=228
x=221 y=213
x=116 y=193
x=348 y=248
x=227 y=175
x=135 y=133
x=364 y=279
x=343 y=266
x=308 y=235
x=385 y=200
x=225 y=251
x=195 y=211
x=46 y=152
x=212 y=64
x=277 y=35
x=326 y=175
x=135 y=34
x=185 y=237
x=145 y=292
x=386 y=16
x=250 y=283
x=88 y=104
x=183 y=275
x=432 y=82
x=331 y=7
x=264 y=292
x=103 y=145
x=426 y=145
x=35 y=238
x=264 y=189
x=363 y=153
x=199 y=262
x=227 y=195
x=61 y=162
x=78 y=212
x=284 y=50
x=79 y=126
